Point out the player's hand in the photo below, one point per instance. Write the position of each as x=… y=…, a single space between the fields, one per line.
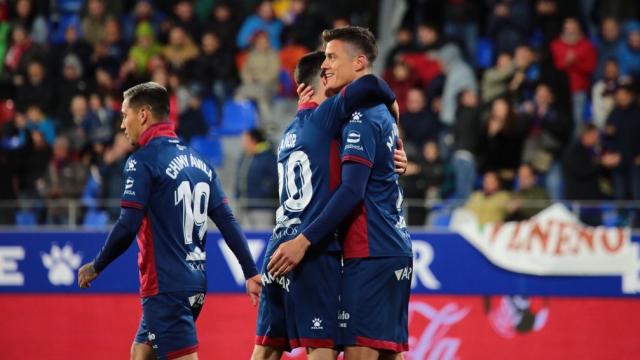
x=400 y=158
x=288 y=255
x=254 y=287
x=305 y=93
x=86 y=274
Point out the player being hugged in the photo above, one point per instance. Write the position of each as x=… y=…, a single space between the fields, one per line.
x=169 y=194
x=376 y=276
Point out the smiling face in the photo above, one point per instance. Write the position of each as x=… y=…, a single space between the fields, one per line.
x=341 y=65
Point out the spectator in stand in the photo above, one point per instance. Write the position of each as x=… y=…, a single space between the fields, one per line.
x=583 y=166
x=623 y=128
x=110 y=168
x=404 y=44
x=418 y=123
x=144 y=48
x=143 y=12
x=428 y=38
x=224 y=23
x=82 y=122
x=36 y=90
x=180 y=49
x=509 y=23
x=192 y=121
x=34 y=23
x=466 y=134
x=529 y=197
x=93 y=24
x=549 y=15
x=574 y=54
x=184 y=17
x=115 y=47
x=547 y=131
x=20 y=45
x=256 y=184
x=215 y=68
x=38 y=157
x=259 y=74
x=460 y=23
x=501 y=143
x=303 y=25
x=459 y=76
x=603 y=93
x=489 y=204
x=629 y=51
x=102 y=133
x=65 y=179
x=608 y=44
x=427 y=178
x=71 y=84
x=495 y=81
x=38 y=121
x=73 y=44
x=401 y=79
x=263 y=20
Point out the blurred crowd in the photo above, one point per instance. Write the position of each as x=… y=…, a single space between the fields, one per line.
x=505 y=105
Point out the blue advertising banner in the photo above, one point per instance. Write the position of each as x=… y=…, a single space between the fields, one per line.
x=444 y=263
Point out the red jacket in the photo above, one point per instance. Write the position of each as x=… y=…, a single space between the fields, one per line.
x=581 y=69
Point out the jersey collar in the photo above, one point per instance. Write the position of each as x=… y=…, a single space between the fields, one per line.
x=308 y=105
x=164 y=128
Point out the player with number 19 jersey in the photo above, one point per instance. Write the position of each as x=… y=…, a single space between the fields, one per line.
x=165 y=171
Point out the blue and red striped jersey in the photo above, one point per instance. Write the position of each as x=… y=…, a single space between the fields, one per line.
x=377 y=227
x=176 y=188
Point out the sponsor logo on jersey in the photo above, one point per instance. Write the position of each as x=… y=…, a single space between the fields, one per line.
x=268 y=278
x=356 y=117
x=316 y=324
x=390 y=143
x=353 y=137
x=404 y=273
x=131 y=165
x=355 y=147
x=129 y=183
x=343 y=317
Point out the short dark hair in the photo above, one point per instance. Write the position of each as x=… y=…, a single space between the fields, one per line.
x=359 y=37
x=151 y=94
x=308 y=68
x=256 y=135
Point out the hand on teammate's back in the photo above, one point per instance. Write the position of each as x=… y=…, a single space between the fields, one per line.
x=288 y=255
x=400 y=158
x=254 y=287
x=86 y=274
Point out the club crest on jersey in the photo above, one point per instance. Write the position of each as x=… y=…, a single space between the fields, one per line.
x=131 y=165
x=353 y=137
x=356 y=117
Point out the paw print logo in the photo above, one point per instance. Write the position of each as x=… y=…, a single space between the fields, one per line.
x=356 y=116
x=317 y=324
x=62 y=263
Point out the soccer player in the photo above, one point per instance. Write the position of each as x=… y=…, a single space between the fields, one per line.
x=377 y=252
x=300 y=310
x=169 y=193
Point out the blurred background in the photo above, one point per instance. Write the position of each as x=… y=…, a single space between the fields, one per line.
x=507 y=107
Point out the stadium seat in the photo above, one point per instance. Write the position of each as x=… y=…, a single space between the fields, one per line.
x=238 y=117
x=209 y=147
x=56 y=36
x=210 y=112
x=484 y=53
x=96 y=218
x=26 y=218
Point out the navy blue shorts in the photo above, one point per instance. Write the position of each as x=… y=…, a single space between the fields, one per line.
x=375 y=303
x=299 y=309
x=168 y=323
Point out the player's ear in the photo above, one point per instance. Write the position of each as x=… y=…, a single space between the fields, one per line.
x=360 y=63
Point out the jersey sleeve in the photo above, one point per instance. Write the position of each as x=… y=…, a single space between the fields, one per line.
x=217 y=197
x=359 y=142
x=138 y=175
x=369 y=90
